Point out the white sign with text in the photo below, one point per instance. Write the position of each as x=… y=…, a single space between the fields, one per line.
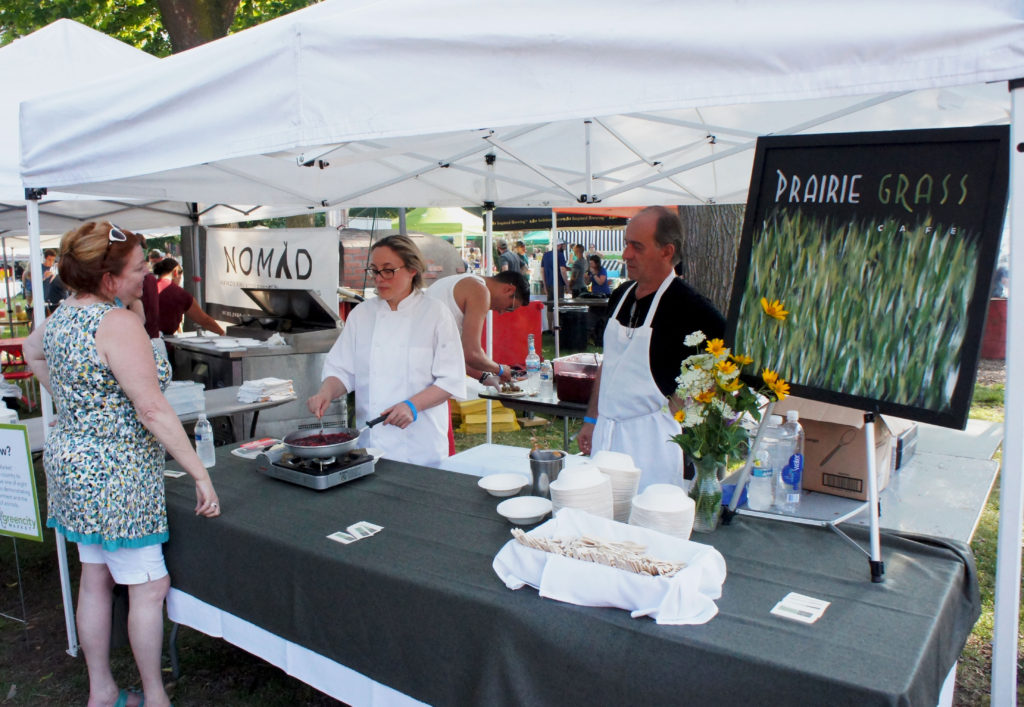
x=19 y=501
x=274 y=258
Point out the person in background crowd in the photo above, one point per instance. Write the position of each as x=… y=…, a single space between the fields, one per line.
x=562 y=279
x=507 y=260
x=592 y=250
x=176 y=303
x=643 y=350
x=468 y=297
x=155 y=256
x=1001 y=281
x=399 y=352
x=596 y=277
x=54 y=291
x=577 y=282
x=524 y=262
x=104 y=459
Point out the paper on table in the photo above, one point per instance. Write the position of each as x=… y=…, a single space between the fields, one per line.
x=686 y=598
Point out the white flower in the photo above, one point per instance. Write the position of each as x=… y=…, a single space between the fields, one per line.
x=694 y=338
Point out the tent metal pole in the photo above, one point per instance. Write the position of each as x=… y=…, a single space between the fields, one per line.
x=32 y=197
x=485 y=264
x=587 y=125
x=7 y=287
x=489 y=322
x=556 y=276
x=1011 y=489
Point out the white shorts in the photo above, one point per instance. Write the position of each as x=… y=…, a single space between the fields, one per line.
x=128 y=565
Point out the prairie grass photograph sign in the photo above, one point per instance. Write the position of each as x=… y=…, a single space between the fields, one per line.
x=879 y=248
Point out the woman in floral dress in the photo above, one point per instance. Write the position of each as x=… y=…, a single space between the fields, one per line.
x=104 y=459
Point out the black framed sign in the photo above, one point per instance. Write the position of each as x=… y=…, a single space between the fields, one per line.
x=881 y=247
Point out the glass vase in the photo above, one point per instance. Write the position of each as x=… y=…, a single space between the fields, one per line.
x=706 y=492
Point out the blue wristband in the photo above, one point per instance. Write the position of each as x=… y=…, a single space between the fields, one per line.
x=413 y=408
x=591 y=420
x=500 y=370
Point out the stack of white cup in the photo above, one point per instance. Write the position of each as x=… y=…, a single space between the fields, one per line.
x=625 y=478
x=665 y=508
x=582 y=486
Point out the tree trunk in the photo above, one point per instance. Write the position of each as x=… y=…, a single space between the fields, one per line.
x=193 y=22
x=711 y=236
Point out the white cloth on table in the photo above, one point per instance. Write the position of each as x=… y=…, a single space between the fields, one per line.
x=688 y=597
x=386 y=356
x=265 y=389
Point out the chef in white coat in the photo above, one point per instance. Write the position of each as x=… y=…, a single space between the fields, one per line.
x=630 y=410
x=400 y=353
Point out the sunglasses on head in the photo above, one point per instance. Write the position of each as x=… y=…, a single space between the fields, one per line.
x=116 y=235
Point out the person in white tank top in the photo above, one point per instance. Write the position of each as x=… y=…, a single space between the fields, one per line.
x=469 y=297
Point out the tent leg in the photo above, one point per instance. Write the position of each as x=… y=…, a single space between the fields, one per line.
x=38 y=317
x=1011 y=490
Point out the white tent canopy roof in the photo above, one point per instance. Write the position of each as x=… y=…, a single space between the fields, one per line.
x=402 y=100
x=62 y=55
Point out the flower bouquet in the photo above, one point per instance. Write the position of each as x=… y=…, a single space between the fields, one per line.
x=711 y=403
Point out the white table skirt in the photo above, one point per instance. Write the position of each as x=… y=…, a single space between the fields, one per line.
x=315 y=670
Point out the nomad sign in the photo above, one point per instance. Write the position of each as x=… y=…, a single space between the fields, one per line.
x=19 y=502
x=881 y=246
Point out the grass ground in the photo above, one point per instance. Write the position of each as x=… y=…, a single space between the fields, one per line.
x=36 y=670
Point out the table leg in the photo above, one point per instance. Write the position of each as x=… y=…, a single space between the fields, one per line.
x=172 y=650
x=252 y=426
x=565 y=434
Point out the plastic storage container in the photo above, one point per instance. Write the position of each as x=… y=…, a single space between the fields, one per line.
x=510 y=330
x=575 y=376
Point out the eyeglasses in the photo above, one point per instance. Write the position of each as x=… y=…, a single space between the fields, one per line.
x=383 y=273
x=116 y=235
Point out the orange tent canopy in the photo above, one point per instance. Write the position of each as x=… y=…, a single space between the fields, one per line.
x=615 y=211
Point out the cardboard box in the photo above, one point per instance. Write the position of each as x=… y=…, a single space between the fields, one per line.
x=905 y=432
x=835 y=458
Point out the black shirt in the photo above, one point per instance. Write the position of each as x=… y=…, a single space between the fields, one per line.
x=681 y=312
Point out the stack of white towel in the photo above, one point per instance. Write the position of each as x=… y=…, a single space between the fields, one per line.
x=265 y=390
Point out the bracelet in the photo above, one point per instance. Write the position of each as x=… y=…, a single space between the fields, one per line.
x=484 y=376
x=413 y=408
x=500 y=370
x=591 y=420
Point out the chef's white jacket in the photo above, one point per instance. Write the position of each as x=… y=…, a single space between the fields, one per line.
x=386 y=357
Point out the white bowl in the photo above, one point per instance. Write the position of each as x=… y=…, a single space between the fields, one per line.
x=607 y=461
x=503 y=485
x=524 y=510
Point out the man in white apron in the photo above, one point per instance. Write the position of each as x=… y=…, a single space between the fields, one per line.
x=627 y=411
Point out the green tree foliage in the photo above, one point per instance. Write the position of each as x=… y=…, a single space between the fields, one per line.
x=140 y=22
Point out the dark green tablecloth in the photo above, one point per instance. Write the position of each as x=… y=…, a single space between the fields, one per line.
x=419 y=608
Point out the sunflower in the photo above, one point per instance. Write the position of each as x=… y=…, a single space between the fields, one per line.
x=774 y=309
x=742 y=360
x=716 y=347
x=680 y=416
x=706 y=397
x=780 y=388
x=726 y=368
x=769 y=376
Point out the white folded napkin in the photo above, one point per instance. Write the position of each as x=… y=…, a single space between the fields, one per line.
x=685 y=598
x=266 y=389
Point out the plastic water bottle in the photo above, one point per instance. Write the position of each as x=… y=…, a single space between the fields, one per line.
x=767 y=463
x=532 y=367
x=790 y=480
x=204 y=441
x=547 y=380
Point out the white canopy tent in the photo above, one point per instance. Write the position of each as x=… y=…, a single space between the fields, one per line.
x=579 y=102
x=62 y=55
